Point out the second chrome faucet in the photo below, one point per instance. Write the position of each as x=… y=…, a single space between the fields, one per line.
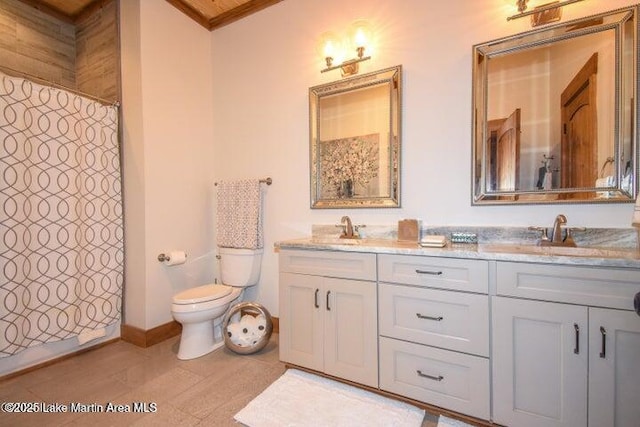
x=349 y=231
x=557 y=238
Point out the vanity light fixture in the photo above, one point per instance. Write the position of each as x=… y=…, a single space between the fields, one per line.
x=543 y=14
x=333 y=49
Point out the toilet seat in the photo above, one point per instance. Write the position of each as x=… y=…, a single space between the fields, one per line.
x=202 y=294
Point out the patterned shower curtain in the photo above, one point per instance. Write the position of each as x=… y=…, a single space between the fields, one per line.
x=61 y=238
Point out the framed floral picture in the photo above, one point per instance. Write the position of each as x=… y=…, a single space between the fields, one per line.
x=349 y=167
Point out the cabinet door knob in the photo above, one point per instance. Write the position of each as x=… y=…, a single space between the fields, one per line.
x=576 y=350
x=328 y=293
x=315 y=299
x=636 y=303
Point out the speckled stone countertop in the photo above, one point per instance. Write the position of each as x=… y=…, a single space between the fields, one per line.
x=608 y=248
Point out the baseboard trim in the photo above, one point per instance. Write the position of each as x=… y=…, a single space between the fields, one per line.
x=141 y=338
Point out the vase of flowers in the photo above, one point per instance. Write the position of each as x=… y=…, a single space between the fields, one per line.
x=346 y=189
x=348 y=162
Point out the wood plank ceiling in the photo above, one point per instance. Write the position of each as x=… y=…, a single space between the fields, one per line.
x=211 y=14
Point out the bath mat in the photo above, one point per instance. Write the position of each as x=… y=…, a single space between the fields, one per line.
x=450 y=422
x=299 y=398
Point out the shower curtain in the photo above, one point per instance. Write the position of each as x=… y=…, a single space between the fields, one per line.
x=61 y=239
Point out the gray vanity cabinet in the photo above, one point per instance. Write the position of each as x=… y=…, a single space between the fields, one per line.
x=434 y=331
x=566 y=346
x=614 y=368
x=519 y=343
x=328 y=313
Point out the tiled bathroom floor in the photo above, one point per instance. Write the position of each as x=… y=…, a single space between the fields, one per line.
x=207 y=391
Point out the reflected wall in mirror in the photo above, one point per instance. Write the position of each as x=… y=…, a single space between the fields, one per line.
x=355 y=141
x=555 y=113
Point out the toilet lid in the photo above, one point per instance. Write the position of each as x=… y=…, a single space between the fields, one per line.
x=202 y=294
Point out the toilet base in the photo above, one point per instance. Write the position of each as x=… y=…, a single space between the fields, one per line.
x=198 y=339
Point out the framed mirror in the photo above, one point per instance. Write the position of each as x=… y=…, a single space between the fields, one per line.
x=355 y=141
x=555 y=113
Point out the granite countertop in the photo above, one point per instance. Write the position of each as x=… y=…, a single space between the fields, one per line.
x=596 y=256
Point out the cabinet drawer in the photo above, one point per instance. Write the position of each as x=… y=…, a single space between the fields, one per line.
x=455 y=381
x=452 y=320
x=346 y=265
x=447 y=273
x=594 y=286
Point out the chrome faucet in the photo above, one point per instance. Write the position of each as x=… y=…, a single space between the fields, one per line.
x=557 y=239
x=347 y=232
x=556 y=236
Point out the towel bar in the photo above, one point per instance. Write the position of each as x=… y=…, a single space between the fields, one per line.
x=266 y=180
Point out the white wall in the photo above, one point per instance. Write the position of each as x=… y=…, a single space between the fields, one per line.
x=264 y=64
x=168 y=156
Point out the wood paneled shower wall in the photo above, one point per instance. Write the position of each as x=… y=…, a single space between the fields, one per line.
x=83 y=55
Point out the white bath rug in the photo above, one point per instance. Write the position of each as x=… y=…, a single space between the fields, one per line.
x=299 y=398
x=450 y=422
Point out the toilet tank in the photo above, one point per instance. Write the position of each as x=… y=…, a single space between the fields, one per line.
x=240 y=267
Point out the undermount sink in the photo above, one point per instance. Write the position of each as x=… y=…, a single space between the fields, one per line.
x=334 y=241
x=592 y=252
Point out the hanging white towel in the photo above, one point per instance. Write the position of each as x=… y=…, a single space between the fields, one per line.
x=635 y=221
x=239 y=214
x=546 y=183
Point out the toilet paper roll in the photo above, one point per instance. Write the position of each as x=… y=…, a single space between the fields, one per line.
x=176 y=258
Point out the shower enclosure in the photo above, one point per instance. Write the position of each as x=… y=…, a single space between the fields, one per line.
x=61 y=234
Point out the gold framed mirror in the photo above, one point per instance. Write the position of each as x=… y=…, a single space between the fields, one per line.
x=354 y=141
x=555 y=113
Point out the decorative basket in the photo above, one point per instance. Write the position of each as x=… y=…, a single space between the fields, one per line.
x=252 y=332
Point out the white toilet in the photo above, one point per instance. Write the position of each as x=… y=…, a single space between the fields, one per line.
x=201 y=310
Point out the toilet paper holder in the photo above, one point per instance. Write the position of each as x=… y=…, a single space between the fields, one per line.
x=163 y=258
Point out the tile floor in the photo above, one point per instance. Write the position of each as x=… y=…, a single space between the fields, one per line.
x=207 y=391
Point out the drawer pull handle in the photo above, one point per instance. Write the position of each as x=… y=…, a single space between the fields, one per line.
x=315 y=299
x=431 y=377
x=437 y=319
x=433 y=273
x=328 y=293
x=603 y=332
x=576 y=350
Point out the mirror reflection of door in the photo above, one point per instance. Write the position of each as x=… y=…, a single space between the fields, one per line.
x=579 y=128
x=504 y=153
x=531 y=72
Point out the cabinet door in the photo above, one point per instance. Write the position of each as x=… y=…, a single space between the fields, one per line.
x=614 y=368
x=351 y=333
x=301 y=334
x=539 y=363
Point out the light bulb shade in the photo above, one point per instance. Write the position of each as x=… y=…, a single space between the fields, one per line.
x=360 y=34
x=360 y=38
x=328 y=46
